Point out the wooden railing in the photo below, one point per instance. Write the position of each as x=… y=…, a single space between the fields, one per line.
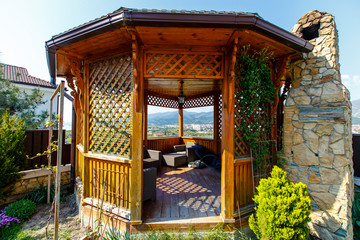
x=243 y=183
x=165 y=145
x=210 y=144
x=109 y=181
x=79 y=166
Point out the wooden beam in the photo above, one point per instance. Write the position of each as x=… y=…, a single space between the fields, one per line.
x=136 y=181
x=181 y=122
x=227 y=170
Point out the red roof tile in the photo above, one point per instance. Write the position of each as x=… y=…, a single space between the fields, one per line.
x=21 y=75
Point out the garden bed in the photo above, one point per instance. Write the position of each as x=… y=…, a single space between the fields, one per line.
x=69 y=227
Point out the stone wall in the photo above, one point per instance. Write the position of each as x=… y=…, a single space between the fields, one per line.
x=317 y=129
x=32 y=179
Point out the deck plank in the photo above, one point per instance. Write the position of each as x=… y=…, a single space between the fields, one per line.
x=184 y=193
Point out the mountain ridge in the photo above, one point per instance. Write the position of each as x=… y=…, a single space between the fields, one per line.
x=172 y=118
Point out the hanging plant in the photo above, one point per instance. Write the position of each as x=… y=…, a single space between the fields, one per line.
x=255 y=95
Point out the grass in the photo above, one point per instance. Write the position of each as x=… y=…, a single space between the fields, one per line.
x=217 y=233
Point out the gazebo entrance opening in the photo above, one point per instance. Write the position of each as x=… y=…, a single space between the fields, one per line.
x=183 y=192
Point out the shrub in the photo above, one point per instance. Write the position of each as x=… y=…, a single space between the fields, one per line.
x=356 y=213
x=39 y=195
x=21 y=210
x=12 y=137
x=283 y=208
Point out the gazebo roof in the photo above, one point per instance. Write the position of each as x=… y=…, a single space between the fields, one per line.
x=173 y=27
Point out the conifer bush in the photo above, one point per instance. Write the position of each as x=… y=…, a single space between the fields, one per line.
x=282 y=210
x=12 y=155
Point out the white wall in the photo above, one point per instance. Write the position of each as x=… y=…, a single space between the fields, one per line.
x=48 y=92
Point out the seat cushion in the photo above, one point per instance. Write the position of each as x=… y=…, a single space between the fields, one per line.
x=149 y=162
x=175 y=159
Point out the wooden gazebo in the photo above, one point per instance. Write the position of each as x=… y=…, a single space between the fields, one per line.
x=120 y=63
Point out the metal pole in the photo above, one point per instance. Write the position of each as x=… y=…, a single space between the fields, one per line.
x=58 y=164
x=49 y=149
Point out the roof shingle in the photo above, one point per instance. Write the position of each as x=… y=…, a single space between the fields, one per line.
x=21 y=75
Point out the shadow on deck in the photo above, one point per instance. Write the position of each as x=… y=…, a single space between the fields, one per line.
x=185 y=194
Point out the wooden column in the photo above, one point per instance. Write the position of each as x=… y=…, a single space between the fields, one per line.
x=85 y=115
x=216 y=121
x=227 y=160
x=181 y=122
x=86 y=105
x=145 y=121
x=136 y=181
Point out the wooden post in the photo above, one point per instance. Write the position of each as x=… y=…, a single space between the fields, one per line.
x=216 y=121
x=227 y=170
x=136 y=183
x=145 y=119
x=85 y=115
x=181 y=122
x=86 y=104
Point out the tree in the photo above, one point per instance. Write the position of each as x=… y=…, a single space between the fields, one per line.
x=12 y=137
x=19 y=103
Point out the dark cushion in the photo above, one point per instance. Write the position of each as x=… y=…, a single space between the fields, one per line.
x=179 y=148
x=145 y=153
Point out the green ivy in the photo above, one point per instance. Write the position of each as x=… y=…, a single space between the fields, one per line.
x=256 y=93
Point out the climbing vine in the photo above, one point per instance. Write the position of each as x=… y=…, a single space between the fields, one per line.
x=255 y=95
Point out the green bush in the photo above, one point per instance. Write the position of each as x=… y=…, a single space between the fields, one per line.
x=283 y=208
x=356 y=213
x=12 y=156
x=21 y=210
x=39 y=195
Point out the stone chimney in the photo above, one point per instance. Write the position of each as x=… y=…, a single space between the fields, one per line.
x=317 y=129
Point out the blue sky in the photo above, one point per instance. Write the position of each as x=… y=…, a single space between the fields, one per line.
x=26 y=25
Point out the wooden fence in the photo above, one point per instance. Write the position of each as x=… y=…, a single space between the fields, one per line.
x=356 y=154
x=37 y=141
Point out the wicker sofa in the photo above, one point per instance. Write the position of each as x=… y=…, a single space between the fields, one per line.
x=151 y=158
x=182 y=155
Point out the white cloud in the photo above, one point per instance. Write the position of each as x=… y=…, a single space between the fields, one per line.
x=352 y=83
x=345 y=76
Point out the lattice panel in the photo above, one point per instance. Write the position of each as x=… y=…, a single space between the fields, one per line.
x=199 y=102
x=220 y=115
x=189 y=65
x=162 y=102
x=240 y=147
x=111 y=106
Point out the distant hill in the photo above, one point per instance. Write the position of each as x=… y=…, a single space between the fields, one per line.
x=356 y=111
x=172 y=118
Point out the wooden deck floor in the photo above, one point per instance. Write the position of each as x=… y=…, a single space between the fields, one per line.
x=184 y=193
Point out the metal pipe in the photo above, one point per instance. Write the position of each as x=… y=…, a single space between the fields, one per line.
x=59 y=158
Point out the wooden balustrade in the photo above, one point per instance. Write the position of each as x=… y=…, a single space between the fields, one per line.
x=210 y=144
x=244 y=191
x=108 y=180
x=165 y=145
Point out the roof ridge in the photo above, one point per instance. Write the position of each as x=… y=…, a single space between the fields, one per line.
x=183 y=11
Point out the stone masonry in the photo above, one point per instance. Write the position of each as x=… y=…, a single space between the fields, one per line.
x=32 y=179
x=317 y=123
